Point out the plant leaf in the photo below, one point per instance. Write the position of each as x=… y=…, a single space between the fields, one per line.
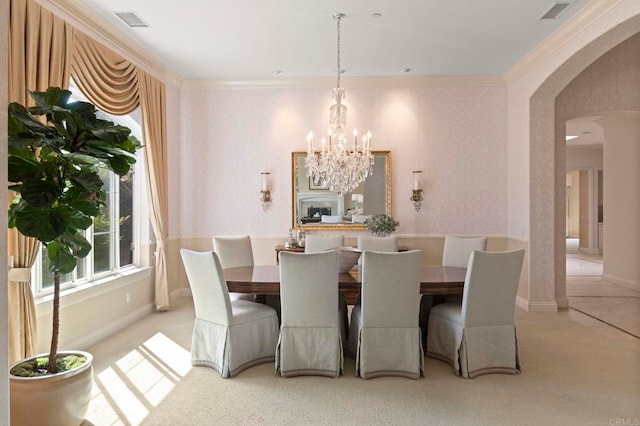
x=41 y=223
x=88 y=181
x=76 y=243
x=112 y=134
x=60 y=259
x=53 y=96
x=40 y=193
x=19 y=168
x=21 y=121
x=119 y=165
x=85 y=206
x=73 y=219
x=77 y=158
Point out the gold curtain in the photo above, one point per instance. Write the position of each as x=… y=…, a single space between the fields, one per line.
x=118 y=87
x=105 y=78
x=154 y=131
x=39 y=57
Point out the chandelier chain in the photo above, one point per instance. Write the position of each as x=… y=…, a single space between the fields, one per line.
x=339 y=18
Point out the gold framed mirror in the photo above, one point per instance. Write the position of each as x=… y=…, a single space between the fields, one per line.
x=314 y=208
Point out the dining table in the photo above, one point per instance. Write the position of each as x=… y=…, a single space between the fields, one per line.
x=265 y=279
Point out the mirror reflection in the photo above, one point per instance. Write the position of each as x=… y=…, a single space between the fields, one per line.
x=315 y=207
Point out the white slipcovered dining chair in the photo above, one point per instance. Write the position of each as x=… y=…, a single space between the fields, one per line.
x=479 y=336
x=317 y=243
x=228 y=336
x=456 y=252
x=385 y=324
x=234 y=252
x=310 y=340
x=383 y=244
x=373 y=243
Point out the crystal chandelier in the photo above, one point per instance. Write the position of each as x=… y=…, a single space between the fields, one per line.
x=339 y=166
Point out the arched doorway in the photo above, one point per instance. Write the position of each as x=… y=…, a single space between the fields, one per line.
x=551 y=105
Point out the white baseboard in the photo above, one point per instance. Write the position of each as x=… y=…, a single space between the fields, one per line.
x=88 y=340
x=522 y=303
x=622 y=282
x=586 y=250
x=563 y=303
x=529 y=306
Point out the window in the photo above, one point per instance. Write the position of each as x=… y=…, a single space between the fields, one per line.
x=113 y=233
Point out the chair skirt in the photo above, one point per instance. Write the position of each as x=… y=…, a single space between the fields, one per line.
x=386 y=351
x=315 y=351
x=390 y=352
x=487 y=350
x=232 y=349
x=472 y=351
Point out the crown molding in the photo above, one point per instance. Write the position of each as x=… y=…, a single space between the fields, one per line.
x=574 y=26
x=85 y=19
x=353 y=83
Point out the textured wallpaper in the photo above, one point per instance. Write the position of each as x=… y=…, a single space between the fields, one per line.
x=457 y=136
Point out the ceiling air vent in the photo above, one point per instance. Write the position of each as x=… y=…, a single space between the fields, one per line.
x=555 y=10
x=131 y=19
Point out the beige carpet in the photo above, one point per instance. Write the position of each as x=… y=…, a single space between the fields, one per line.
x=575 y=371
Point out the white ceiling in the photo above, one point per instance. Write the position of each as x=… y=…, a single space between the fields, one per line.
x=245 y=40
x=589 y=133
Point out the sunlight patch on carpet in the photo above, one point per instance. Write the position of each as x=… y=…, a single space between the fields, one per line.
x=127 y=390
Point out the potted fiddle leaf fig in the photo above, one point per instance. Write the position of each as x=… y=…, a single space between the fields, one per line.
x=56 y=150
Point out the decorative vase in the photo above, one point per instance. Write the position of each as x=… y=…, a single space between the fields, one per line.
x=54 y=399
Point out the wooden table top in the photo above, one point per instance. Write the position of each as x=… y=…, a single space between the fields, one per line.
x=265 y=279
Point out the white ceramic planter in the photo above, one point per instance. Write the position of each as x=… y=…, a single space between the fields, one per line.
x=60 y=399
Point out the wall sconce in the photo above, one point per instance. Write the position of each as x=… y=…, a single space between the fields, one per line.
x=416 y=197
x=265 y=194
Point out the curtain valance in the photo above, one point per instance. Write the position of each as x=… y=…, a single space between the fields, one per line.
x=108 y=80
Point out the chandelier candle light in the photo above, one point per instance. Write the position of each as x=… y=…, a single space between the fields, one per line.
x=339 y=166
